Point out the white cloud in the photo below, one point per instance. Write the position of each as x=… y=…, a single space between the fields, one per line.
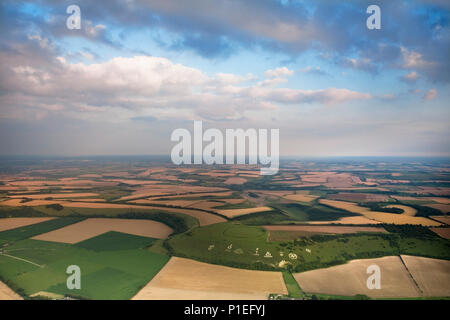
x=430 y=95
x=410 y=77
x=279 y=72
x=143 y=86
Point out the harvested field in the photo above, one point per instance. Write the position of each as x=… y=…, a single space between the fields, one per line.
x=176 y=203
x=348 y=220
x=206 y=205
x=443 y=219
x=204 y=218
x=12 y=223
x=92 y=227
x=358 y=197
x=300 y=197
x=196 y=195
x=43 y=196
x=442 y=232
x=444 y=208
x=161 y=190
x=230 y=213
x=235 y=180
x=431 y=275
x=409 y=211
x=233 y=201
x=323 y=229
x=7 y=294
x=189 y=279
x=379 y=216
x=350 y=279
x=439 y=200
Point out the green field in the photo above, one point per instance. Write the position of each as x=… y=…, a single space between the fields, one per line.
x=38 y=228
x=325 y=250
x=107 y=274
x=115 y=241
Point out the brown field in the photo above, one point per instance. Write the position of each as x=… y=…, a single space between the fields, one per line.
x=56 y=195
x=93 y=227
x=439 y=200
x=324 y=229
x=233 y=201
x=204 y=218
x=176 y=203
x=379 y=216
x=409 y=211
x=7 y=294
x=161 y=190
x=350 y=279
x=272 y=193
x=92 y=200
x=444 y=208
x=12 y=223
x=133 y=182
x=196 y=195
x=230 y=213
x=358 y=197
x=188 y=279
x=348 y=220
x=235 y=180
x=90 y=175
x=431 y=191
x=405 y=198
x=442 y=232
x=206 y=205
x=431 y=275
x=443 y=219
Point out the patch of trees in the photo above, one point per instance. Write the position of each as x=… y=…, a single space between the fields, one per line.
x=21 y=212
x=376 y=206
x=177 y=224
x=409 y=230
x=55 y=206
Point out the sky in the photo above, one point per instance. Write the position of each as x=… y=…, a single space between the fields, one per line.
x=138 y=69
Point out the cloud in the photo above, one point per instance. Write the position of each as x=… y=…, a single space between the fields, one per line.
x=410 y=77
x=314 y=71
x=279 y=72
x=147 y=87
x=430 y=95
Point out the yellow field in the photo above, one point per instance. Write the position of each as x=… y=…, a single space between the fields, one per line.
x=409 y=211
x=93 y=227
x=431 y=275
x=56 y=195
x=348 y=220
x=444 y=208
x=12 y=223
x=188 y=279
x=442 y=232
x=230 y=213
x=443 y=219
x=235 y=180
x=379 y=216
x=350 y=279
x=7 y=294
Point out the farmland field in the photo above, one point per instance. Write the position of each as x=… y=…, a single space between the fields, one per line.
x=92 y=227
x=185 y=279
x=248 y=235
